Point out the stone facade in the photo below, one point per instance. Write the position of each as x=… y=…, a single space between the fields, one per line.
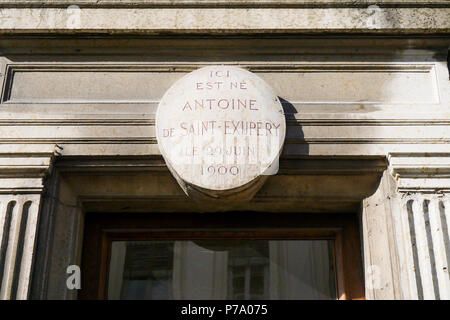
x=365 y=90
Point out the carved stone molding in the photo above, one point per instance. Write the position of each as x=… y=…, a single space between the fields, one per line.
x=220 y=3
x=421 y=229
x=421 y=172
x=309 y=184
x=22 y=173
x=420 y=216
x=216 y=20
x=24 y=167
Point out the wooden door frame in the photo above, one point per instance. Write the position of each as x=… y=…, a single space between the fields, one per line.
x=102 y=228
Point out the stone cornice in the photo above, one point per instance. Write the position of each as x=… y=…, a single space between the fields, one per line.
x=421 y=172
x=217 y=20
x=24 y=168
x=223 y=3
x=336 y=165
x=310 y=184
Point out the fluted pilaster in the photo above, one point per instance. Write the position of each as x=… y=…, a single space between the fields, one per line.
x=422 y=233
x=18 y=223
x=421 y=224
x=21 y=185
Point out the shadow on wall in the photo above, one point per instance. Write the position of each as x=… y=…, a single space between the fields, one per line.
x=294 y=132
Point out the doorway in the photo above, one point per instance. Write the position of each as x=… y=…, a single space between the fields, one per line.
x=231 y=255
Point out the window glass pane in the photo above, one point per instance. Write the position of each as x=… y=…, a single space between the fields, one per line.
x=222 y=269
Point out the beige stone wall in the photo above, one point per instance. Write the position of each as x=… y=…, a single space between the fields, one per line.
x=212 y=20
x=364 y=90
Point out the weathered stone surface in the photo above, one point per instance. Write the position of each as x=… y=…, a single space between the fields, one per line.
x=22 y=171
x=220 y=128
x=351 y=102
x=217 y=3
x=371 y=19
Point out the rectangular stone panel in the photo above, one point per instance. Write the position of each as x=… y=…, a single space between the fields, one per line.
x=87 y=86
x=356 y=84
x=307 y=84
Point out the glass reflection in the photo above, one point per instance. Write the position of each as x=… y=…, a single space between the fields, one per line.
x=222 y=269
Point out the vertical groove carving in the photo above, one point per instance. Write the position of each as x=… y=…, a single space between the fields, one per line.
x=18 y=227
x=430 y=245
x=11 y=251
x=428 y=251
x=21 y=190
x=20 y=249
x=28 y=249
x=442 y=214
x=5 y=224
x=413 y=242
x=422 y=249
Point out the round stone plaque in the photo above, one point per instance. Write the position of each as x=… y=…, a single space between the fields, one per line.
x=220 y=129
